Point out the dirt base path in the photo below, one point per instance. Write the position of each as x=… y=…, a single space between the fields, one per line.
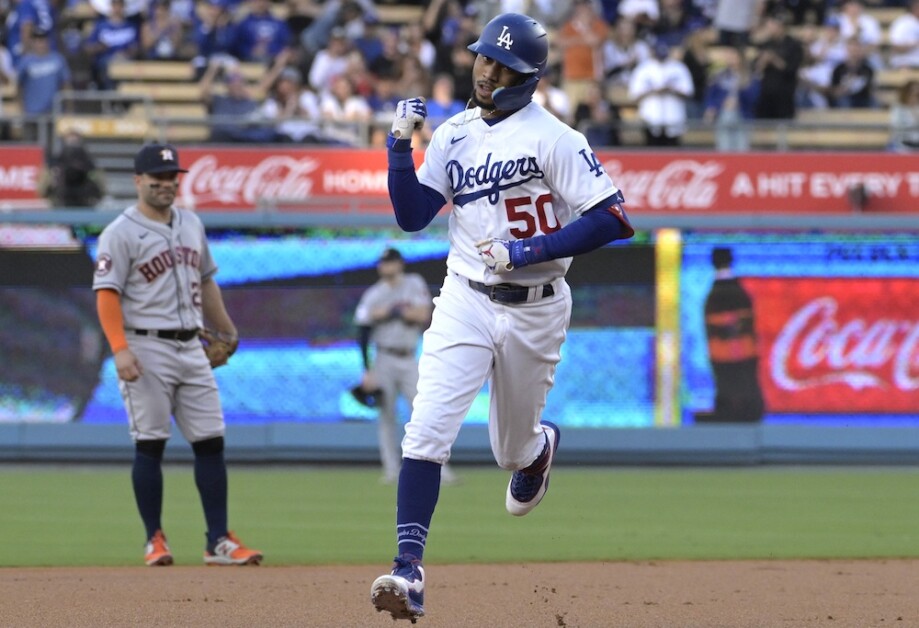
x=662 y=594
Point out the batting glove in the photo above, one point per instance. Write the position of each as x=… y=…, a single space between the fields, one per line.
x=410 y=115
x=501 y=256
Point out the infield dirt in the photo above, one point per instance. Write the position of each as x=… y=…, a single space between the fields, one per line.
x=850 y=593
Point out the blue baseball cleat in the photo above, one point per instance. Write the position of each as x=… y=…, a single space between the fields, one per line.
x=401 y=593
x=527 y=486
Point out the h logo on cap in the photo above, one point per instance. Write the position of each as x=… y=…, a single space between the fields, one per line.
x=166 y=155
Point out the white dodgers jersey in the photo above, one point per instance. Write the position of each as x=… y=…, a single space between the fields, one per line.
x=527 y=175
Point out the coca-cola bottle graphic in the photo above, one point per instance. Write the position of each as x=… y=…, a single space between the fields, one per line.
x=732 y=349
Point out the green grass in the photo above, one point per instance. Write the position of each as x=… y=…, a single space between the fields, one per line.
x=86 y=516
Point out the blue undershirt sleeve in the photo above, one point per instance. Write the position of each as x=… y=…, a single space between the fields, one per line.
x=414 y=204
x=596 y=227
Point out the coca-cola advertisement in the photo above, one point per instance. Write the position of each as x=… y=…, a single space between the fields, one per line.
x=838 y=344
x=755 y=182
x=243 y=179
x=800 y=327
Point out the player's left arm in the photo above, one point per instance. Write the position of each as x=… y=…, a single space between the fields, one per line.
x=414 y=203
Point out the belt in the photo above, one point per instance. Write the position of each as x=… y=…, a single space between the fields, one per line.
x=512 y=293
x=169 y=334
x=402 y=353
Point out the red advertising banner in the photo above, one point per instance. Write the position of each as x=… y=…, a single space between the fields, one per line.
x=20 y=168
x=297 y=179
x=763 y=182
x=230 y=179
x=838 y=345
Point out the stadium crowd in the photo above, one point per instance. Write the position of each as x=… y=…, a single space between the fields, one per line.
x=720 y=62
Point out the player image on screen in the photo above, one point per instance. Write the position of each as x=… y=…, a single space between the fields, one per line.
x=731 y=335
x=528 y=194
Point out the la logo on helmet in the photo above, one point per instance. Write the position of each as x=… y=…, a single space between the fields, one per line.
x=504 y=39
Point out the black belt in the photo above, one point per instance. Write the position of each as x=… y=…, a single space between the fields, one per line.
x=511 y=293
x=169 y=334
x=402 y=353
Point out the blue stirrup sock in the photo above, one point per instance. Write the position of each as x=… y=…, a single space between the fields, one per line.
x=211 y=480
x=147 y=480
x=419 y=488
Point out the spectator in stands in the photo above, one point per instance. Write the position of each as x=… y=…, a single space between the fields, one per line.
x=260 y=36
x=349 y=113
x=904 y=118
x=7 y=77
x=461 y=62
x=212 y=33
x=295 y=109
x=413 y=43
x=413 y=77
x=622 y=51
x=903 y=37
x=162 y=34
x=852 y=82
x=661 y=86
x=113 y=37
x=71 y=178
x=735 y=21
x=855 y=23
x=824 y=49
x=730 y=101
x=442 y=22
x=465 y=32
x=361 y=79
x=236 y=113
x=315 y=37
x=331 y=61
x=697 y=60
x=644 y=13
x=776 y=66
x=40 y=75
x=808 y=11
x=442 y=104
x=370 y=43
x=25 y=17
x=389 y=61
x=384 y=98
x=552 y=98
x=675 y=22
x=580 y=40
x=597 y=119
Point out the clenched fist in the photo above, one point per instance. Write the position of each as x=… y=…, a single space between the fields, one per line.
x=410 y=115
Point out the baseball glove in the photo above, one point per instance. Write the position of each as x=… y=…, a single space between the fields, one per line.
x=368 y=398
x=218 y=346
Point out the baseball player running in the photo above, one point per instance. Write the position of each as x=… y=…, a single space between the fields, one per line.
x=391 y=314
x=155 y=287
x=528 y=194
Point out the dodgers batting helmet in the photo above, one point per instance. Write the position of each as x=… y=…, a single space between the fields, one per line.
x=520 y=43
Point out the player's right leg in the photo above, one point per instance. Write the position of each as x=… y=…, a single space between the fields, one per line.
x=147 y=403
x=523 y=374
x=454 y=365
x=147 y=481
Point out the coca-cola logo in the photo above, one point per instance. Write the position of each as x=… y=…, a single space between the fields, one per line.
x=278 y=177
x=817 y=348
x=680 y=184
